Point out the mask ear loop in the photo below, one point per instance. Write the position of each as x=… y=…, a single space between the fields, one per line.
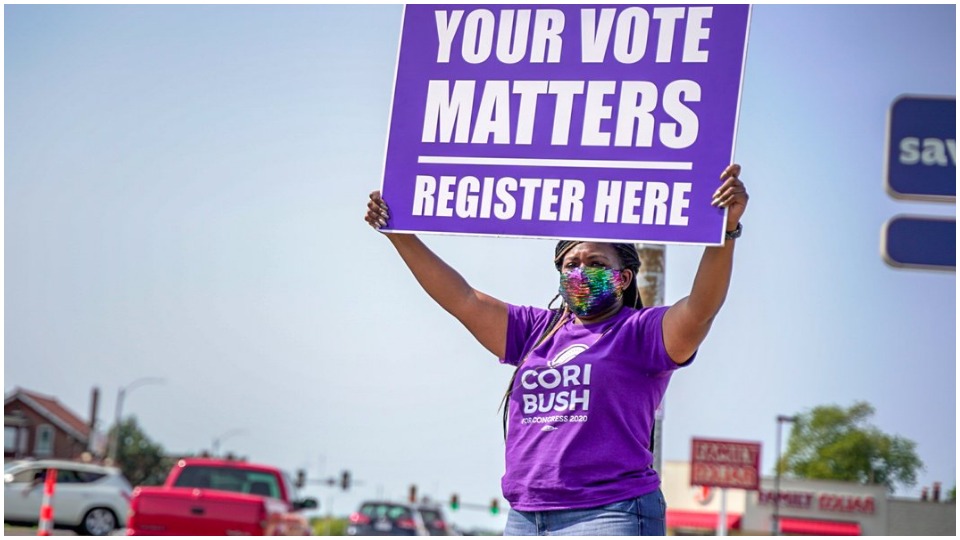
x=624 y=288
x=637 y=302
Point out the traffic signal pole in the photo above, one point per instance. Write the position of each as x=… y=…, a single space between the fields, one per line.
x=345 y=482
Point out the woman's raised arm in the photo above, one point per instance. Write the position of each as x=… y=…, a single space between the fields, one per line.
x=483 y=315
x=686 y=323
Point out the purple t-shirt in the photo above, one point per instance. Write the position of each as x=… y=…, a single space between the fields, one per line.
x=582 y=409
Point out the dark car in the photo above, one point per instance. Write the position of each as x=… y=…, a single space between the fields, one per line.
x=384 y=518
x=433 y=520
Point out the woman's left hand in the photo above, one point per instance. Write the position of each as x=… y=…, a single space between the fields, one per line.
x=731 y=195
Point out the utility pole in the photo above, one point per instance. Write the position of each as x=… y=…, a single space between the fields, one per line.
x=776 y=501
x=215 y=445
x=651 y=284
x=115 y=439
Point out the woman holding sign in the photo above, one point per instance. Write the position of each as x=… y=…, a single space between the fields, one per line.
x=589 y=375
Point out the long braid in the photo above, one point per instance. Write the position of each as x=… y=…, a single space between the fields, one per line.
x=556 y=321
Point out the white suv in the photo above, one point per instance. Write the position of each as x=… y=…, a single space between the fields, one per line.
x=91 y=499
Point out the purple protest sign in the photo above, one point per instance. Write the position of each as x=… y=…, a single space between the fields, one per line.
x=608 y=123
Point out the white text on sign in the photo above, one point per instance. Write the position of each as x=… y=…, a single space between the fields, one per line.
x=543 y=42
x=934 y=151
x=551 y=199
x=448 y=114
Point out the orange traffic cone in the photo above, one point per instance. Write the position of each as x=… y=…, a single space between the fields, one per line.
x=46 y=507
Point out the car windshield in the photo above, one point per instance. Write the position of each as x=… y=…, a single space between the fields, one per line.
x=229 y=479
x=430 y=516
x=386 y=510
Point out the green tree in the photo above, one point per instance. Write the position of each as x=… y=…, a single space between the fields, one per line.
x=833 y=443
x=329 y=526
x=141 y=460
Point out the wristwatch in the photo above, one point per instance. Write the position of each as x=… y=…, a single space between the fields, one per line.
x=734 y=234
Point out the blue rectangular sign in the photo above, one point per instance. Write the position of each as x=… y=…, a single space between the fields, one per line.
x=592 y=122
x=920 y=242
x=922 y=148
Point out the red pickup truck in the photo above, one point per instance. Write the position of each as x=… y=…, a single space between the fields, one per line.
x=214 y=497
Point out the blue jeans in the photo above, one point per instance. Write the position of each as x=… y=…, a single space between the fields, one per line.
x=641 y=516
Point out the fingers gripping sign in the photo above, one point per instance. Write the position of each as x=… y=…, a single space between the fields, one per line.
x=377 y=212
x=732 y=195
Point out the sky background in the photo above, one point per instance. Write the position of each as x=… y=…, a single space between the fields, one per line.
x=183 y=198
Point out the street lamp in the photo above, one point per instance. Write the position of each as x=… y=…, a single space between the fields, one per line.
x=776 y=500
x=115 y=440
x=215 y=446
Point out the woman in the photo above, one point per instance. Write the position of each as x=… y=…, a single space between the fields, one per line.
x=580 y=407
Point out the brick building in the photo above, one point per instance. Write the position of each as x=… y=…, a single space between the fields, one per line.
x=39 y=426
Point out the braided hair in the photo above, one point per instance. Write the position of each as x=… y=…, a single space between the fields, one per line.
x=629 y=258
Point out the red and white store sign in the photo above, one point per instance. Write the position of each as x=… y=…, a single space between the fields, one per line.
x=824 y=502
x=725 y=464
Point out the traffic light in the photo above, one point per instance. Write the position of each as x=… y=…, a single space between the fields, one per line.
x=301 y=478
x=413 y=493
x=454 y=502
x=495 y=506
x=345 y=480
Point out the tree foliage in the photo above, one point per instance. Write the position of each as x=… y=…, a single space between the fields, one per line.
x=834 y=443
x=141 y=460
x=329 y=526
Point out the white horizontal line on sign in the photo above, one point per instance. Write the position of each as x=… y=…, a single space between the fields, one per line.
x=535 y=162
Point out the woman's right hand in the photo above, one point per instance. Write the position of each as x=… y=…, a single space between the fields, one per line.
x=377 y=211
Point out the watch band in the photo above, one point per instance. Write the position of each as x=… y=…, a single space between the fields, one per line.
x=734 y=234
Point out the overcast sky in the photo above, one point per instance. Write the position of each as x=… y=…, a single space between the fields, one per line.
x=184 y=191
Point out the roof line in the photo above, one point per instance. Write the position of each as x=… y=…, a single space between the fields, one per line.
x=56 y=419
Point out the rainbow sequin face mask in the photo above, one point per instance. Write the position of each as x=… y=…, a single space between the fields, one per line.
x=592 y=290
